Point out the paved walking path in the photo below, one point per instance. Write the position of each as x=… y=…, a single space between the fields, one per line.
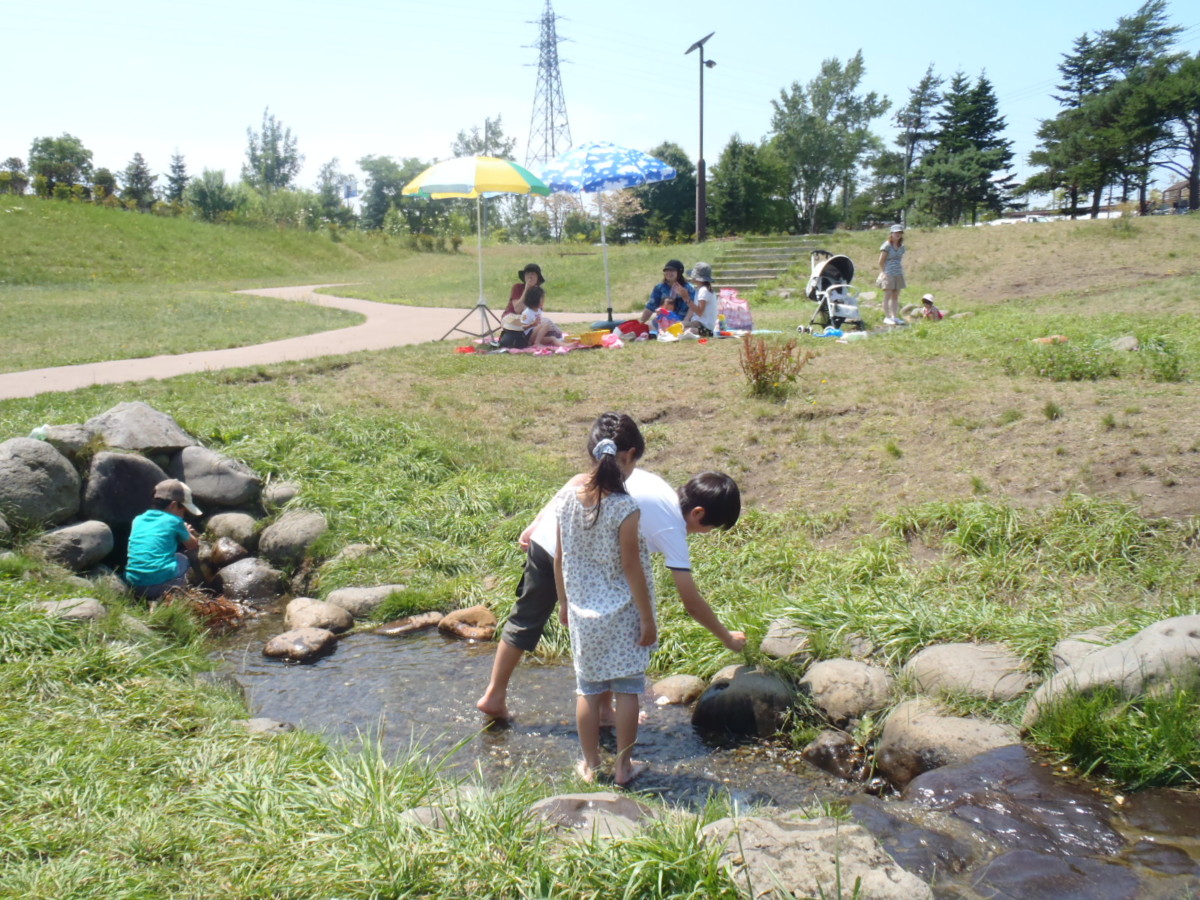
x=387 y=325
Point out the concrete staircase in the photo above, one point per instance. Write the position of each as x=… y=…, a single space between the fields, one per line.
x=745 y=264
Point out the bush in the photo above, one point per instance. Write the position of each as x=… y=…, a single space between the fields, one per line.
x=771 y=368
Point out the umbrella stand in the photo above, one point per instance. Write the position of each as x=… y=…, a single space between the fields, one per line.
x=485 y=329
x=611 y=324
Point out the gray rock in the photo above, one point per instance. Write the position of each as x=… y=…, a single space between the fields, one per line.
x=986 y=671
x=787 y=641
x=300 y=644
x=602 y=814
x=136 y=626
x=845 y=689
x=677 y=689
x=76 y=608
x=77 y=547
x=409 y=624
x=919 y=736
x=269 y=727
x=743 y=701
x=1037 y=876
x=1126 y=343
x=279 y=493
x=1165 y=652
x=223 y=680
x=288 y=538
x=1073 y=649
x=4 y=529
x=222 y=552
x=436 y=818
x=37 y=483
x=348 y=553
x=360 y=602
x=69 y=440
x=838 y=754
x=215 y=480
x=138 y=426
x=238 y=527
x=304 y=612
x=120 y=487
x=251 y=581
x=792 y=856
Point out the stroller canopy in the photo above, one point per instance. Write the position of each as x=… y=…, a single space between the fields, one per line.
x=828 y=271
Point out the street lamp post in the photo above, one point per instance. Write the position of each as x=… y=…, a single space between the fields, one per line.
x=701 y=175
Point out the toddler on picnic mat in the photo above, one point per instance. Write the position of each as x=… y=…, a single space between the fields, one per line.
x=602 y=570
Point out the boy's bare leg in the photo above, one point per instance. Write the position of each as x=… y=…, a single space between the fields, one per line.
x=628 y=706
x=587 y=718
x=494 y=701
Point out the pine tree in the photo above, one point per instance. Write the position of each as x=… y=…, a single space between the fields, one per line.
x=272 y=160
x=177 y=180
x=138 y=183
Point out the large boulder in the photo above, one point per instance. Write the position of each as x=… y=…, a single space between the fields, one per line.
x=1071 y=650
x=845 y=689
x=241 y=528
x=69 y=440
x=1165 y=652
x=251 y=581
x=120 y=487
x=77 y=608
x=37 y=483
x=787 y=641
x=586 y=816
x=300 y=644
x=838 y=754
x=278 y=494
x=409 y=624
x=287 y=539
x=743 y=700
x=677 y=690
x=790 y=855
x=360 y=602
x=986 y=671
x=305 y=612
x=215 y=480
x=919 y=736
x=77 y=547
x=138 y=426
x=475 y=623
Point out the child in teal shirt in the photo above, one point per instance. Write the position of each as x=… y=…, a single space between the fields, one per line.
x=154 y=564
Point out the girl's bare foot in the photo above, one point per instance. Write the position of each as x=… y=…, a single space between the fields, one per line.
x=489 y=707
x=585 y=772
x=624 y=775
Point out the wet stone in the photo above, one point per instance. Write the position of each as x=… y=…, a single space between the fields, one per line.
x=301 y=644
x=924 y=851
x=1009 y=796
x=599 y=814
x=838 y=754
x=476 y=623
x=745 y=701
x=1164 y=811
x=1164 y=858
x=409 y=624
x=1026 y=875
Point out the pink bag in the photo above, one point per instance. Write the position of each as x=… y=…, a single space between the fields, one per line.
x=735 y=310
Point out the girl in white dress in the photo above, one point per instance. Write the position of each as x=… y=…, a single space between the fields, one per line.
x=602 y=570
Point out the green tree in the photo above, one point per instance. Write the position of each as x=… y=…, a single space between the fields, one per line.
x=137 y=183
x=177 y=180
x=104 y=185
x=822 y=133
x=917 y=133
x=13 y=177
x=60 y=161
x=492 y=142
x=746 y=190
x=272 y=160
x=381 y=196
x=331 y=183
x=211 y=196
x=670 y=206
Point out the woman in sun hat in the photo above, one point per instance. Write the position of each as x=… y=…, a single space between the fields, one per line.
x=702 y=314
x=891 y=275
x=530 y=276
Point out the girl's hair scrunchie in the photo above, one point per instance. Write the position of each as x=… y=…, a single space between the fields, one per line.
x=606 y=447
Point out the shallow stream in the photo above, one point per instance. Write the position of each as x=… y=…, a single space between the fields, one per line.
x=421 y=689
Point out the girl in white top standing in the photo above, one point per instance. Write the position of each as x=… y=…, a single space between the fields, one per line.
x=702 y=312
x=601 y=569
x=891 y=275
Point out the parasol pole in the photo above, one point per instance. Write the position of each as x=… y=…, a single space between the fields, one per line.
x=604 y=248
x=484 y=328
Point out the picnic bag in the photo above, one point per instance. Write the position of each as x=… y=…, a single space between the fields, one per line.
x=735 y=310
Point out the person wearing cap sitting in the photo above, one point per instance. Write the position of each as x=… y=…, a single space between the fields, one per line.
x=673 y=293
x=930 y=311
x=528 y=277
x=154 y=564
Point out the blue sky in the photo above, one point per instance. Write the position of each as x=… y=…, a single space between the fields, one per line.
x=401 y=78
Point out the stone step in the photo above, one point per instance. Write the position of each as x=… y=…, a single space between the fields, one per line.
x=723 y=272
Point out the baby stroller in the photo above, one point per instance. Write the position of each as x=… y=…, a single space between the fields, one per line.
x=829 y=287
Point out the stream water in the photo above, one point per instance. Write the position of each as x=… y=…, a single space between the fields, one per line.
x=421 y=688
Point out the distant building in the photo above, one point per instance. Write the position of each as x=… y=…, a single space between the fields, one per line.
x=1177 y=195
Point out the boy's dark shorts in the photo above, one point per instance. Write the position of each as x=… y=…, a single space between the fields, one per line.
x=536 y=597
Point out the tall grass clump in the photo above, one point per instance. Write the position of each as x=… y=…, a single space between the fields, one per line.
x=772 y=368
x=1147 y=741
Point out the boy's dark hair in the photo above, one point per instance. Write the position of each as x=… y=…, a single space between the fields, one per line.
x=533 y=297
x=717 y=494
x=159 y=503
